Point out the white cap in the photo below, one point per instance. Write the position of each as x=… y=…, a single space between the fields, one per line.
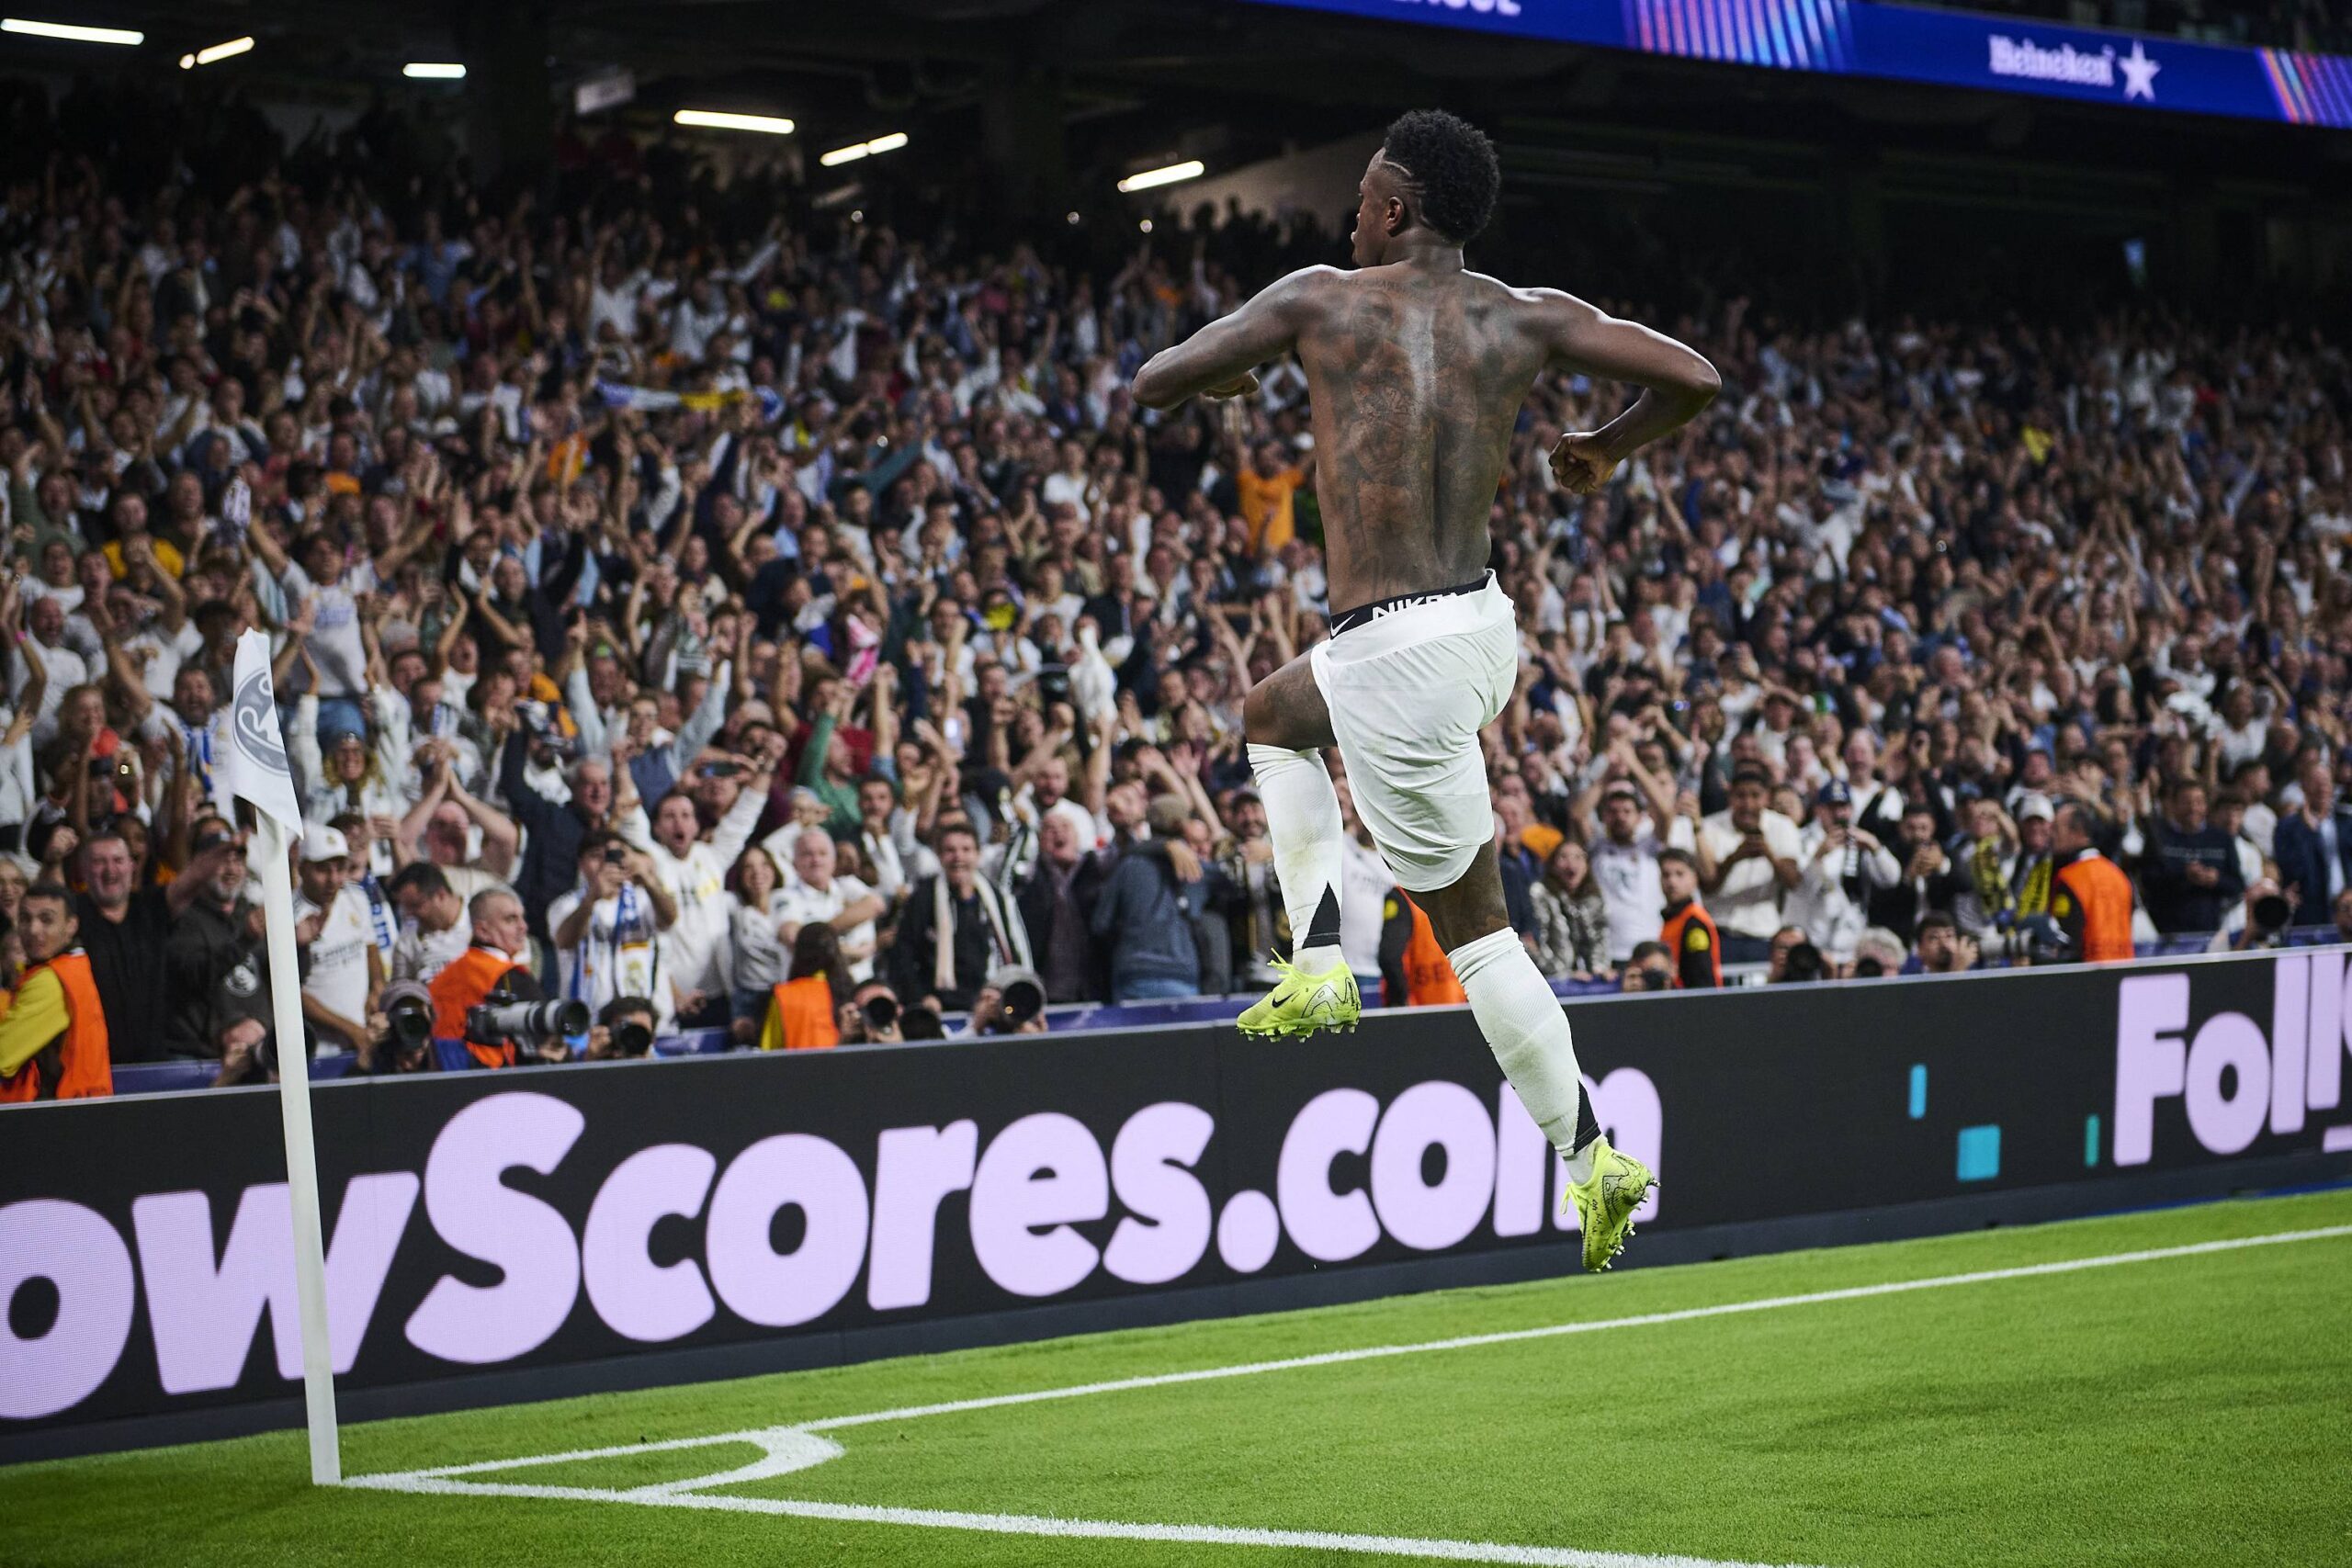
x=323 y=842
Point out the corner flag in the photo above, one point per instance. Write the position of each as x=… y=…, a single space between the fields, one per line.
x=255 y=769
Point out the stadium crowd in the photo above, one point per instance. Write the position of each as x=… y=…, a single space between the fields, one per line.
x=794 y=628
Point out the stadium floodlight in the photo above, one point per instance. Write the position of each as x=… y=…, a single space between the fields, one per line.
x=434 y=71
x=235 y=46
x=1190 y=169
x=856 y=150
x=70 y=32
x=713 y=120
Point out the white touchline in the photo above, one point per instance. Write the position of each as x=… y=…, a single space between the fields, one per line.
x=1508 y=1335
x=785 y=1449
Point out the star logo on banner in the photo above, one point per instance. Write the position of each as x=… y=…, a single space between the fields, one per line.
x=2139 y=74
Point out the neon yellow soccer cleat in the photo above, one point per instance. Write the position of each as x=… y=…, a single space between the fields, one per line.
x=1605 y=1204
x=1301 y=1003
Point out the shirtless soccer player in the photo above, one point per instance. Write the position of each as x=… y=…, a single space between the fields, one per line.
x=1417 y=368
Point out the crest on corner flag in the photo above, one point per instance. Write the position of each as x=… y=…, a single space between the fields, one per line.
x=255 y=768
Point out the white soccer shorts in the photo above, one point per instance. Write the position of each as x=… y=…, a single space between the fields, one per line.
x=1408 y=692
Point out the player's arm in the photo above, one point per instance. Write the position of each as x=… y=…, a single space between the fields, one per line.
x=1675 y=383
x=1219 y=360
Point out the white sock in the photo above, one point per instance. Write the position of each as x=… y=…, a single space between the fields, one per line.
x=1528 y=1035
x=1302 y=819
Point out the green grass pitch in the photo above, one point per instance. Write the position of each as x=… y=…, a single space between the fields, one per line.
x=2191 y=1407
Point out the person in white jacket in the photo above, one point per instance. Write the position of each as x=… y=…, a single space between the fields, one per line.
x=1840 y=865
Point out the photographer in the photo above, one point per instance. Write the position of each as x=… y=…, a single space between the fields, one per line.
x=1013 y=1002
x=405 y=1043
x=1648 y=968
x=624 y=1029
x=486 y=966
x=252 y=1059
x=1802 y=965
x=2260 y=922
x=873 y=1017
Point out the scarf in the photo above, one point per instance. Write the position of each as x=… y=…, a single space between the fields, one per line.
x=631 y=952
x=1006 y=937
x=379 y=915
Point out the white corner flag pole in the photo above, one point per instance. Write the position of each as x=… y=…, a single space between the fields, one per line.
x=257 y=771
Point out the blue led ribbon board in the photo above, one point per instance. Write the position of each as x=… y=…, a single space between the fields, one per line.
x=1950 y=49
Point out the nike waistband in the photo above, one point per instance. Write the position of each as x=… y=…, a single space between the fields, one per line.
x=1363 y=615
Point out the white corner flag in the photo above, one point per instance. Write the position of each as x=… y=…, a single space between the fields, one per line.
x=255 y=769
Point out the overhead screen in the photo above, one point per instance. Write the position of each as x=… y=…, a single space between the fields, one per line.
x=1954 y=49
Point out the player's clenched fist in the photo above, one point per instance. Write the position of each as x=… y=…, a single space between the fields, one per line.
x=1580 y=465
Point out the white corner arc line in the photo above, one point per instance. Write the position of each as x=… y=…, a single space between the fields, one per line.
x=795 y=1446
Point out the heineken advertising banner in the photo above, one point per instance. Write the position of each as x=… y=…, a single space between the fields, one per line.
x=545 y=1218
x=1935 y=46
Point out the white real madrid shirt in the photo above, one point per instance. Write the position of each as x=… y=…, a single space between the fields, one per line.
x=694 y=950
x=801 y=904
x=338 y=973
x=693 y=946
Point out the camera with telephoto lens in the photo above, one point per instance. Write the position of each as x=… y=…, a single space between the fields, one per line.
x=1024 y=999
x=881 y=1011
x=411 y=1020
x=2266 y=919
x=632 y=1038
x=496 y=1023
x=1021 y=997
x=403 y=1046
